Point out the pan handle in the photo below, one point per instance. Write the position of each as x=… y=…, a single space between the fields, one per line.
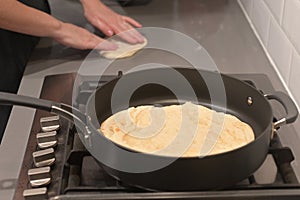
x=19 y=100
x=70 y=113
x=289 y=106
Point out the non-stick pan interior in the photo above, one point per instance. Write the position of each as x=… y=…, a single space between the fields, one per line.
x=237 y=93
x=165 y=172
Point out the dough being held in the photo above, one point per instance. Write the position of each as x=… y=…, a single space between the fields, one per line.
x=125 y=49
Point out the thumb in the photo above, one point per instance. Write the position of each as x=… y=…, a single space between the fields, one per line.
x=96 y=42
x=102 y=44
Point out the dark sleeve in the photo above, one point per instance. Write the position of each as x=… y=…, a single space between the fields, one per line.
x=15 y=52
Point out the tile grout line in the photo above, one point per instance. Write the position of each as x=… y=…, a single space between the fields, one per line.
x=292 y=46
x=282 y=13
x=272 y=19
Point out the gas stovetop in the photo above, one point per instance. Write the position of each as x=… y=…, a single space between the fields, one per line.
x=57 y=166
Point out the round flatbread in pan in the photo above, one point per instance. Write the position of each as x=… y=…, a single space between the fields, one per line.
x=154 y=130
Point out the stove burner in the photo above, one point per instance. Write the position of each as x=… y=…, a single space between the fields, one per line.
x=77 y=175
x=92 y=176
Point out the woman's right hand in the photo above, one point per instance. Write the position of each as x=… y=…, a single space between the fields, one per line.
x=80 y=38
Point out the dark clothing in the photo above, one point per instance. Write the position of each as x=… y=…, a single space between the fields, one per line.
x=15 y=50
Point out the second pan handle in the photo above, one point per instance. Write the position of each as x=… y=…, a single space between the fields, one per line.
x=289 y=106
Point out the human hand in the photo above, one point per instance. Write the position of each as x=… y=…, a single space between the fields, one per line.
x=111 y=23
x=79 y=38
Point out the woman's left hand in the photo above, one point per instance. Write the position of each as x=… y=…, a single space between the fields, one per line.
x=111 y=23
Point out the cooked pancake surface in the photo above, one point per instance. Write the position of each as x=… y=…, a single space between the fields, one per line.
x=186 y=130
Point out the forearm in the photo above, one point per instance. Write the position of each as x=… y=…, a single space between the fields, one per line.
x=18 y=17
x=91 y=2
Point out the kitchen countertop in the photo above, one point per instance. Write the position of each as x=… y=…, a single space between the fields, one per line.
x=218 y=25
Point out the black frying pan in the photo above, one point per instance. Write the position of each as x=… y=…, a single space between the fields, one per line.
x=145 y=170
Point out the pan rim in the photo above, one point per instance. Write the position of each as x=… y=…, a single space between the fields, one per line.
x=99 y=133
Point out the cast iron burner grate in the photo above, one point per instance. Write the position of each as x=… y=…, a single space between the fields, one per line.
x=85 y=175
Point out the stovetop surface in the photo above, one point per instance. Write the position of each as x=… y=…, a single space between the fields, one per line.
x=76 y=175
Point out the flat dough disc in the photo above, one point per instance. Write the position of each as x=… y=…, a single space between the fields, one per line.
x=125 y=49
x=207 y=132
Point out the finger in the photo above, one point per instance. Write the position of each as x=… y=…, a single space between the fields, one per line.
x=134 y=33
x=129 y=21
x=132 y=22
x=101 y=44
x=107 y=30
x=128 y=33
x=139 y=37
x=128 y=38
x=106 y=45
x=125 y=35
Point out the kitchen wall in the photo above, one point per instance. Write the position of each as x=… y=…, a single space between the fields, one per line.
x=277 y=24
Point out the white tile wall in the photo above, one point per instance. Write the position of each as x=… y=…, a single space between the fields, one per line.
x=261 y=19
x=277 y=7
x=281 y=37
x=294 y=82
x=291 y=21
x=280 y=49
